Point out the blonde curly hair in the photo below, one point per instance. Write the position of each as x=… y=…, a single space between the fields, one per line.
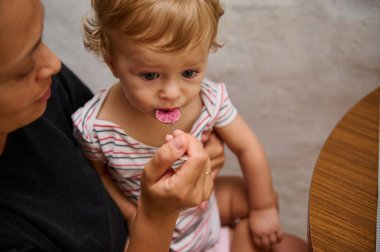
x=180 y=23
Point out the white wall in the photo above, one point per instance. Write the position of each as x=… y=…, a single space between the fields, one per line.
x=292 y=67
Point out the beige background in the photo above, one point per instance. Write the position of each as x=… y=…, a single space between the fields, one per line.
x=292 y=67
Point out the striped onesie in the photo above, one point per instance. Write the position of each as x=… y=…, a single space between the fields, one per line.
x=125 y=157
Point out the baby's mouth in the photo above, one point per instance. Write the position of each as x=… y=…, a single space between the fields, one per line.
x=168 y=116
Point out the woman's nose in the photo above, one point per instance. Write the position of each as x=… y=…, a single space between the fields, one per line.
x=48 y=63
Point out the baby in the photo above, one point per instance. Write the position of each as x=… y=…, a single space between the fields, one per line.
x=158 y=51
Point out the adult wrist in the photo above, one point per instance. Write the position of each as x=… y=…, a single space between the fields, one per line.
x=155 y=214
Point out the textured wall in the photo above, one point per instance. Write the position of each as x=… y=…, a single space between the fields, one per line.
x=292 y=67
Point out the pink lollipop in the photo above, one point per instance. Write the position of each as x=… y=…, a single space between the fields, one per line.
x=168 y=116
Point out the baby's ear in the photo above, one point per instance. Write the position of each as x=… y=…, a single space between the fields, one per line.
x=111 y=64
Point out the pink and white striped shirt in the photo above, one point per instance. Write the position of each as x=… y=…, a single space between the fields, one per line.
x=100 y=140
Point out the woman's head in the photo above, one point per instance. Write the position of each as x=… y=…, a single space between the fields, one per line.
x=163 y=25
x=26 y=64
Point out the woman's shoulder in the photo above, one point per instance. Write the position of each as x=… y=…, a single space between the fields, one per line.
x=39 y=154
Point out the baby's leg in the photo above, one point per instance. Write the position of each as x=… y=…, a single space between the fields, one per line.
x=233 y=206
x=232 y=198
x=240 y=240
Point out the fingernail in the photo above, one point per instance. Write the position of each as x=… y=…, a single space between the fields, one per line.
x=168 y=137
x=177 y=142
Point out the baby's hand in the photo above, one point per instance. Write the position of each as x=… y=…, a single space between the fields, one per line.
x=265 y=227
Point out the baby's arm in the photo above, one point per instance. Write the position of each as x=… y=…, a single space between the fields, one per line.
x=264 y=219
x=127 y=208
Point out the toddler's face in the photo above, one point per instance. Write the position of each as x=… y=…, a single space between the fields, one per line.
x=154 y=80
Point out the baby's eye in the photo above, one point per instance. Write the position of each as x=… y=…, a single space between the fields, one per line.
x=149 y=76
x=189 y=74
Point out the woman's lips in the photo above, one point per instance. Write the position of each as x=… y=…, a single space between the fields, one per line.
x=168 y=116
x=46 y=95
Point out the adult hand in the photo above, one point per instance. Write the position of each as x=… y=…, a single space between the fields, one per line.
x=165 y=192
x=215 y=148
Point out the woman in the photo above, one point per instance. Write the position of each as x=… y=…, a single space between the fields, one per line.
x=51 y=199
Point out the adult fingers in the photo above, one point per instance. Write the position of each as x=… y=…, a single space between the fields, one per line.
x=195 y=166
x=166 y=155
x=209 y=182
x=202 y=186
x=196 y=170
x=205 y=136
x=214 y=145
x=215 y=148
x=257 y=241
x=273 y=239
x=265 y=243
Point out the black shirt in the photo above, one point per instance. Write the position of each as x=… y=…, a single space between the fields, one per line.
x=50 y=197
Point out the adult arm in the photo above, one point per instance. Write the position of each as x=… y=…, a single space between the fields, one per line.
x=165 y=193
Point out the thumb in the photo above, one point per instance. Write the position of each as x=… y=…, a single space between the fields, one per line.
x=163 y=159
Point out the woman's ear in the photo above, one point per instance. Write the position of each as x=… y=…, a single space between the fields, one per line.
x=111 y=64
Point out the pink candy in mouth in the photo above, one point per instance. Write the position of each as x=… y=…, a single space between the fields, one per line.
x=168 y=116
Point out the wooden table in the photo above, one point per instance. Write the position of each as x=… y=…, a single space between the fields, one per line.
x=343 y=193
